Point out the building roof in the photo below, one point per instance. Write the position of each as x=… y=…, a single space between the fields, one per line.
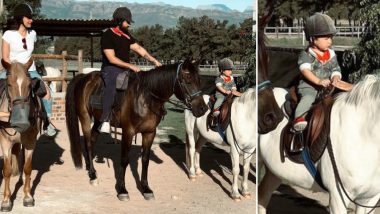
x=72 y=27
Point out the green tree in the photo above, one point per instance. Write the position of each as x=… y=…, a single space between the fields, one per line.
x=368 y=48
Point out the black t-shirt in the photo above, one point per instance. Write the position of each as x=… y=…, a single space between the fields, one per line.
x=119 y=43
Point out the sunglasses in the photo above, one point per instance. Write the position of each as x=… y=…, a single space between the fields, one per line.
x=24 y=41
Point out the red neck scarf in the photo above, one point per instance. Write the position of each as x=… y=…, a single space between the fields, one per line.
x=325 y=57
x=227 y=79
x=118 y=32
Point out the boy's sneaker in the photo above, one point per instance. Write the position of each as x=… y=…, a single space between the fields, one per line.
x=50 y=131
x=299 y=124
x=105 y=127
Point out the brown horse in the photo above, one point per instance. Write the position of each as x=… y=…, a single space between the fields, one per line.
x=142 y=108
x=269 y=113
x=21 y=130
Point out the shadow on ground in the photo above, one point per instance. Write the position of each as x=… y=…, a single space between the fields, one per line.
x=213 y=161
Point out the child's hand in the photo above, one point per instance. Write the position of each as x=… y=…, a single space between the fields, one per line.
x=228 y=92
x=335 y=80
x=324 y=82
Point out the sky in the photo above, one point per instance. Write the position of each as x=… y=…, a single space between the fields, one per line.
x=239 y=5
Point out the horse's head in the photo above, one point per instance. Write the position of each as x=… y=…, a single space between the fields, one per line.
x=269 y=113
x=187 y=88
x=18 y=91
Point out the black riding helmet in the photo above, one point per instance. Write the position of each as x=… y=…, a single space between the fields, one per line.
x=319 y=25
x=225 y=64
x=122 y=14
x=23 y=10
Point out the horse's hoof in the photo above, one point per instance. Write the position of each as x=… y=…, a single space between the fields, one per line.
x=6 y=206
x=236 y=198
x=94 y=182
x=192 y=178
x=199 y=174
x=28 y=202
x=148 y=196
x=123 y=196
x=247 y=195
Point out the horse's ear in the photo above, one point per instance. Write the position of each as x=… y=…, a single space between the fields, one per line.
x=5 y=64
x=28 y=64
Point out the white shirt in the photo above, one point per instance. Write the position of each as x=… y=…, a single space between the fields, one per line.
x=17 y=51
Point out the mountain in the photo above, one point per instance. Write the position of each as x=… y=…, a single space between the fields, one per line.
x=220 y=7
x=143 y=14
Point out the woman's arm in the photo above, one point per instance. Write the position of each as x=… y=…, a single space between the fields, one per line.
x=142 y=52
x=6 y=51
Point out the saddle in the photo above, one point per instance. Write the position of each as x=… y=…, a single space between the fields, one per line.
x=96 y=98
x=314 y=137
x=224 y=117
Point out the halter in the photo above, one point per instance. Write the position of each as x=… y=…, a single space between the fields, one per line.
x=264 y=85
x=184 y=89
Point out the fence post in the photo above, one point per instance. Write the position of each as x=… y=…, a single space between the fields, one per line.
x=80 y=61
x=64 y=71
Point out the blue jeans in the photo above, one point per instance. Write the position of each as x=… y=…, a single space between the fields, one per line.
x=109 y=75
x=34 y=74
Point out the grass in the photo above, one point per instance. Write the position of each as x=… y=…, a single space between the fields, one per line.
x=173 y=124
x=297 y=42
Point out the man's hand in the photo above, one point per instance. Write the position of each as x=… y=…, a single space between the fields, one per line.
x=157 y=63
x=134 y=68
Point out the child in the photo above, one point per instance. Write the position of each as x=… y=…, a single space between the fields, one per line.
x=318 y=65
x=225 y=84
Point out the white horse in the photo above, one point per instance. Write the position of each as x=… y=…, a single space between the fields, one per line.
x=55 y=86
x=355 y=139
x=89 y=70
x=241 y=137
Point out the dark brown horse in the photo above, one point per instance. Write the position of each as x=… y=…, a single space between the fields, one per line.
x=22 y=129
x=269 y=113
x=142 y=109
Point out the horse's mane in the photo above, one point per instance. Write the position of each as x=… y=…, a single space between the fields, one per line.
x=248 y=96
x=366 y=91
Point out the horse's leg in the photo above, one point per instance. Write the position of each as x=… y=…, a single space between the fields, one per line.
x=126 y=142
x=147 y=140
x=235 y=195
x=371 y=202
x=246 y=165
x=198 y=148
x=268 y=184
x=337 y=205
x=90 y=137
x=28 y=198
x=190 y=152
x=6 y=204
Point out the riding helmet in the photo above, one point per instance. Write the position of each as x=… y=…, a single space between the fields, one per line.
x=23 y=10
x=225 y=64
x=122 y=14
x=319 y=25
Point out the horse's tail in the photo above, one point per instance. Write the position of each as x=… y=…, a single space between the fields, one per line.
x=15 y=158
x=72 y=122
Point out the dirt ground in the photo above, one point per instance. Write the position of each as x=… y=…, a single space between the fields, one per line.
x=59 y=188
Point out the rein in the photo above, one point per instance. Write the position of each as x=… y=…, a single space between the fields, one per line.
x=237 y=145
x=339 y=180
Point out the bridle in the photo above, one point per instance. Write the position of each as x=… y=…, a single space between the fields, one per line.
x=188 y=94
x=264 y=85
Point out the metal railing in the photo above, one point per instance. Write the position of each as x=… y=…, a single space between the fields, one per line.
x=346 y=31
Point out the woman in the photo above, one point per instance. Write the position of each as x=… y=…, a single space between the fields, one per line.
x=18 y=45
